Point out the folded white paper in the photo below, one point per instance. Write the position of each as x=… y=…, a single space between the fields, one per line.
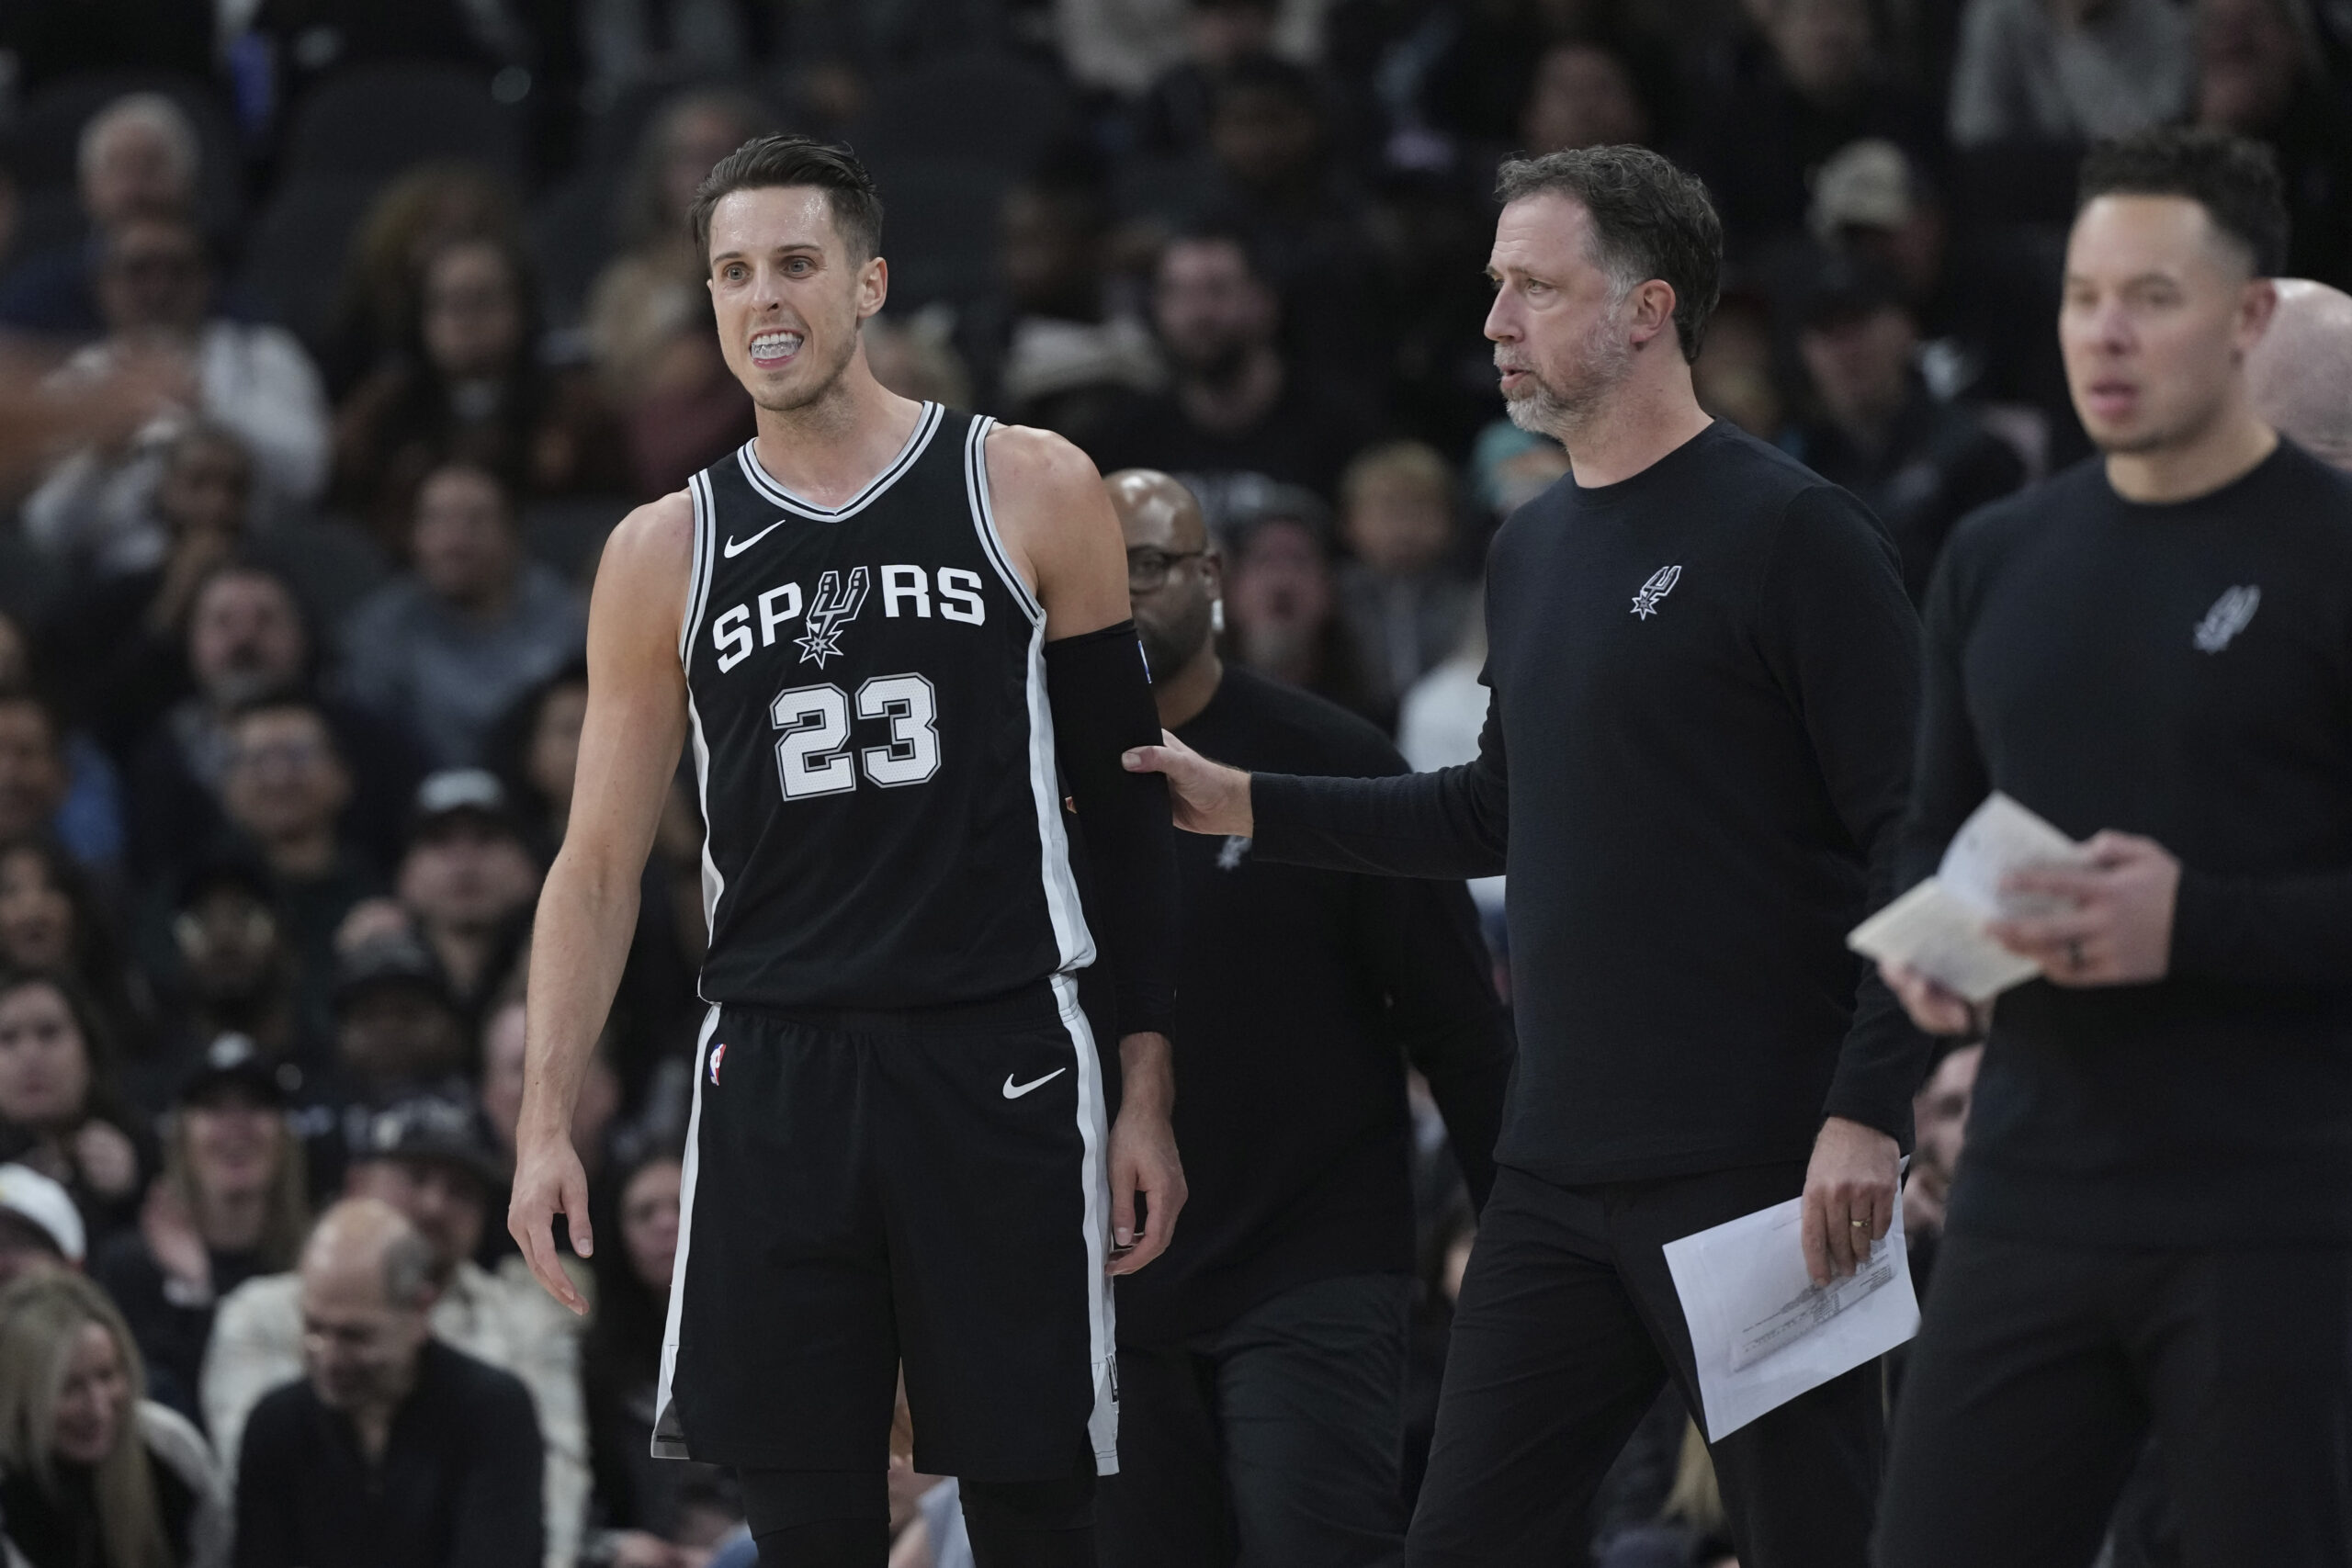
x=1937 y=928
x=1762 y=1331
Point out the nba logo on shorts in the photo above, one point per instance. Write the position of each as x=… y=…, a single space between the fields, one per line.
x=718 y=1054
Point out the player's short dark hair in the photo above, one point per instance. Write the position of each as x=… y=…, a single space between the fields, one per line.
x=1649 y=220
x=765 y=162
x=2234 y=179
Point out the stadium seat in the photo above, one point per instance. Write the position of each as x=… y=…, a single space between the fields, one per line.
x=988 y=108
x=368 y=123
x=939 y=226
x=294 y=254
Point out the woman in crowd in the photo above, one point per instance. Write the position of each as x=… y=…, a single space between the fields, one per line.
x=230 y=1206
x=92 y=1473
x=51 y=920
x=58 y=1109
x=650 y=329
x=1282 y=608
x=650 y=1506
x=470 y=386
x=425 y=208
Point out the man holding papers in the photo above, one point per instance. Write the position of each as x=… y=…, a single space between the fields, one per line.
x=2153 y=652
x=1704 y=668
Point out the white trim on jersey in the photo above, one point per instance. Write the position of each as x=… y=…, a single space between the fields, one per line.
x=926 y=424
x=976 y=482
x=664 y=1446
x=705 y=568
x=1093 y=1131
x=714 y=881
x=1072 y=940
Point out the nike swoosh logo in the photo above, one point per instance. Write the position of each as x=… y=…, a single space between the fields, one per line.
x=732 y=550
x=1014 y=1092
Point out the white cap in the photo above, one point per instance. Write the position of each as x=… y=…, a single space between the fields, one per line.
x=23 y=1191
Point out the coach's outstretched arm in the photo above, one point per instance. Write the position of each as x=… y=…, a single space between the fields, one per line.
x=628 y=752
x=1454 y=822
x=1057 y=521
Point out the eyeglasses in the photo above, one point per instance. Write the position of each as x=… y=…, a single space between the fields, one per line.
x=1148 y=569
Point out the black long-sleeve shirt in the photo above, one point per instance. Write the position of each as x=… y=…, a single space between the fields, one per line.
x=2182 y=671
x=1301 y=995
x=1695 y=760
x=458 y=1485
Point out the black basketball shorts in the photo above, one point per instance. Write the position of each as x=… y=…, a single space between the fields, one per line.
x=863 y=1191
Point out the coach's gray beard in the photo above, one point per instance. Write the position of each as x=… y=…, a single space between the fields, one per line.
x=1559 y=412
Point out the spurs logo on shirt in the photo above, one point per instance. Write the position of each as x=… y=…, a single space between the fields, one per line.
x=1660 y=584
x=2230 y=615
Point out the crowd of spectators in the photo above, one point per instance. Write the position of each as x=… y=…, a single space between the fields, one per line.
x=335 y=336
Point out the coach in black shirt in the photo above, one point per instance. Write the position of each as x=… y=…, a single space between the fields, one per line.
x=1262 y=1358
x=395 y=1451
x=1703 y=670
x=2153 y=650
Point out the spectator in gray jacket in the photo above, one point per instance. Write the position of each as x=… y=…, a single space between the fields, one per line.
x=444 y=649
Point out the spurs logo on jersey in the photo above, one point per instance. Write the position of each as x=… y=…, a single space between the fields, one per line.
x=865 y=691
x=834 y=607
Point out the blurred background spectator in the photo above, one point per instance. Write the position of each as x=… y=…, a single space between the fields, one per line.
x=384 y=1433
x=59 y=1111
x=92 y=1470
x=154 y=291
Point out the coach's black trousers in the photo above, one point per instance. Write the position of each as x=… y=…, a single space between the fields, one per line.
x=1273 y=1442
x=2040 y=1369
x=1567 y=1327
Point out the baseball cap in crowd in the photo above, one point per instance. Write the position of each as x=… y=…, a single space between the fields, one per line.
x=43 y=1209
x=461 y=791
x=1865 y=184
x=389 y=958
x=233 y=1061
x=1845 y=289
x=438 y=1127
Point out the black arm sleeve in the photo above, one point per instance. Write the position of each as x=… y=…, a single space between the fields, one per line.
x=1452 y=823
x=1101 y=693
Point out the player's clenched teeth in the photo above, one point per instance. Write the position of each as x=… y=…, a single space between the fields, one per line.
x=775 y=348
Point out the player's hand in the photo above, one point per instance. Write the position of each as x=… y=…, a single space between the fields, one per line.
x=1933 y=1006
x=1207 y=797
x=2119 y=932
x=549 y=1180
x=1142 y=1155
x=1848 y=1197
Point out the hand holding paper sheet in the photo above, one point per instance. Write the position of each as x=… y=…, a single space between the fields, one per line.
x=1937 y=928
x=1762 y=1331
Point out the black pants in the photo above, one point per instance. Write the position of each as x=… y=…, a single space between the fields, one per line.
x=1272 y=1443
x=1568 y=1326
x=2041 y=1370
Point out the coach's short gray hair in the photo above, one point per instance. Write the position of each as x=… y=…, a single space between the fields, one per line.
x=1649 y=220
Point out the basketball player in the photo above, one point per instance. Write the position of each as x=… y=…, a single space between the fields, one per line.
x=880 y=624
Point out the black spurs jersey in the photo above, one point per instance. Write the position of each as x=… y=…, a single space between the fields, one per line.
x=867 y=704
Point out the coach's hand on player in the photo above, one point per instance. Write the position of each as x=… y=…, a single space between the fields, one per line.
x=549 y=1180
x=1848 y=1197
x=2119 y=930
x=1933 y=1006
x=1142 y=1155
x=1205 y=797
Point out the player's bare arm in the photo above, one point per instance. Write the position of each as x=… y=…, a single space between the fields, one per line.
x=628 y=751
x=1064 y=538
